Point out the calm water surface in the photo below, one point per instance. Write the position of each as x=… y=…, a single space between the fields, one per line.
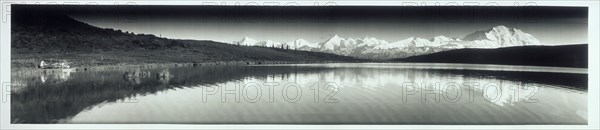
x=361 y=93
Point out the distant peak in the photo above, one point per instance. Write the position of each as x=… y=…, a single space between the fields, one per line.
x=301 y=40
x=500 y=27
x=414 y=38
x=503 y=36
x=440 y=36
x=335 y=36
x=495 y=28
x=246 y=37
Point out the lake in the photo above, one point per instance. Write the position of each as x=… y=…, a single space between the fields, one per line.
x=336 y=93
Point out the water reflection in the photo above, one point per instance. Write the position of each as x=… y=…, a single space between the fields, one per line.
x=55 y=77
x=365 y=95
x=164 y=76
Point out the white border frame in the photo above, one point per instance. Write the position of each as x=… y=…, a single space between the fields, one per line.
x=593 y=70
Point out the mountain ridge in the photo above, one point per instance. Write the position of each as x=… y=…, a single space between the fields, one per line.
x=373 y=48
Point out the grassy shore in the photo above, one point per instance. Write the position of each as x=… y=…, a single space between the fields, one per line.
x=26 y=64
x=25 y=60
x=160 y=65
x=53 y=36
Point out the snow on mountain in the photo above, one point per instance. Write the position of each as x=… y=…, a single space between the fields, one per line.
x=370 y=41
x=500 y=36
x=443 y=40
x=269 y=43
x=331 y=43
x=409 y=47
x=301 y=44
x=418 y=42
x=349 y=46
x=373 y=48
x=246 y=41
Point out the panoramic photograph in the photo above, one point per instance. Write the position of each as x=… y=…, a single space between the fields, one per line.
x=319 y=65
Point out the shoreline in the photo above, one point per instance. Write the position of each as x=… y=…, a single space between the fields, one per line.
x=34 y=70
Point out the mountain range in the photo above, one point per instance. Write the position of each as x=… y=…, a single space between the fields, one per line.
x=56 y=36
x=377 y=49
x=58 y=32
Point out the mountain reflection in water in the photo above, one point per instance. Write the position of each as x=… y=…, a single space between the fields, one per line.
x=79 y=97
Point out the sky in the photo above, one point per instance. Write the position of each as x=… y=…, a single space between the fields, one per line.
x=550 y=25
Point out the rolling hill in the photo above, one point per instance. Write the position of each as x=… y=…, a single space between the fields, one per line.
x=50 y=36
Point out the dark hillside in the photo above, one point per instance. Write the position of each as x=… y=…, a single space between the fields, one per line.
x=47 y=36
x=560 y=56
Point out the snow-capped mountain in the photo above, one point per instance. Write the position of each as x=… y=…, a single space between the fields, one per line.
x=269 y=43
x=301 y=44
x=412 y=46
x=246 y=41
x=500 y=36
x=443 y=40
x=373 y=48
